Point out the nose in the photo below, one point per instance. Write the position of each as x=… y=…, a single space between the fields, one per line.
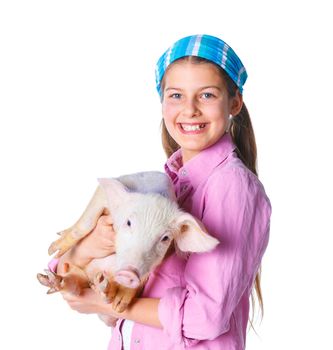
x=191 y=109
x=128 y=277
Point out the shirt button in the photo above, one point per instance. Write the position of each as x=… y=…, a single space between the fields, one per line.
x=183 y=172
x=184 y=188
x=136 y=341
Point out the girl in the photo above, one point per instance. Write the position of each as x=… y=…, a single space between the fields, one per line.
x=200 y=302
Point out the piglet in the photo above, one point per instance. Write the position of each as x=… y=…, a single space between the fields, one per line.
x=147 y=222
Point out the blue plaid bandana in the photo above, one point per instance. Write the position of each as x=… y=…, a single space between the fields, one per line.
x=205 y=46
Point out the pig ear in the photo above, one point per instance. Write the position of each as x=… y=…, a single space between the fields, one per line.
x=116 y=192
x=192 y=236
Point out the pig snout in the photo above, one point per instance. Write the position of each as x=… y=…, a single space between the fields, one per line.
x=128 y=277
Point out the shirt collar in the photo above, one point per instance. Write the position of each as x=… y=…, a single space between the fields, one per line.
x=199 y=167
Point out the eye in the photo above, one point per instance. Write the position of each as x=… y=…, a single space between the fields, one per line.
x=207 y=95
x=165 y=238
x=176 y=96
x=129 y=223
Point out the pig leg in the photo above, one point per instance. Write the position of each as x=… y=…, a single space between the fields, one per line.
x=105 y=286
x=123 y=297
x=114 y=293
x=83 y=226
x=102 y=285
x=73 y=281
x=50 y=280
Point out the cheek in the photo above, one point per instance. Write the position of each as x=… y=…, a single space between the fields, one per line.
x=169 y=111
x=217 y=114
x=170 y=118
x=161 y=249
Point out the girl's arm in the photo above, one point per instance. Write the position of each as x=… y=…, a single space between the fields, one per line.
x=237 y=212
x=141 y=310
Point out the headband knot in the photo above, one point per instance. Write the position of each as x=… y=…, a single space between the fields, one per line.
x=205 y=46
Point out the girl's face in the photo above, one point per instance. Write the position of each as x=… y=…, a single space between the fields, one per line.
x=196 y=106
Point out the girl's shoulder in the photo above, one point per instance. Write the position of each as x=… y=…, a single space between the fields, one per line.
x=233 y=174
x=233 y=189
x=233 y=169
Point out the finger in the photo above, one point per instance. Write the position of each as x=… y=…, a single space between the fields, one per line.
x=106 y=211
x=107 y=232
x=69 y=297
x=74 y=306
x=105 y=220
x=109 y=220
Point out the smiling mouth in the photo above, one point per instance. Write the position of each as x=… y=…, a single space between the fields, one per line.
x=192 y=127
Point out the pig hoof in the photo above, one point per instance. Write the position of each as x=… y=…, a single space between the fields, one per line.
x=120 y=307
x=60 y=246
x=119 y=304
x=43 y=279
x=101 y=284
x=56 y=247
x=50 y=280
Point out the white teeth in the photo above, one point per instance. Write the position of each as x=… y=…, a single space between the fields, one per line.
x=193 y=127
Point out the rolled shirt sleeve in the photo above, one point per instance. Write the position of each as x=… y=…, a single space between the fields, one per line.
x=237 y=211
x=53 y=264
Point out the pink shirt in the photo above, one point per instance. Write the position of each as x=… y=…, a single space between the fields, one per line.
x=205 y=299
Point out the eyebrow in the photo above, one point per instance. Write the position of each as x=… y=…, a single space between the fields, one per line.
x=202 y=88
x=172 y=88
x=211 y=87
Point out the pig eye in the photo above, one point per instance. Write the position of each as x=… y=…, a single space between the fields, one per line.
x=165 y=238
x=128 y=223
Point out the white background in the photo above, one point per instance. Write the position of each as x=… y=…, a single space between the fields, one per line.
x=78 y=102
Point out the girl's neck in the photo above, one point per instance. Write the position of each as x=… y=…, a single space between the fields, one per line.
x=188 y=155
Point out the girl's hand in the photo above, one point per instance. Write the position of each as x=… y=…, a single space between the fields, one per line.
x=89 y=302
x=98 y=244
x=110 y=321
x=143 y=310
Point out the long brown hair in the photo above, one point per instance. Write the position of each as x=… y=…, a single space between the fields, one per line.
x=243 y=137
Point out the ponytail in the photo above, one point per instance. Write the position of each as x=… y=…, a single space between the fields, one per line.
x=170 y=146
x=242 y=134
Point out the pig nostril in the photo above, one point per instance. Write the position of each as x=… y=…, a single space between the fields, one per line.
x=128 y=278
x=100 y=277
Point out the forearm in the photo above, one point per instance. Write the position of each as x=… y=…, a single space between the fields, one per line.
x=141 y=310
